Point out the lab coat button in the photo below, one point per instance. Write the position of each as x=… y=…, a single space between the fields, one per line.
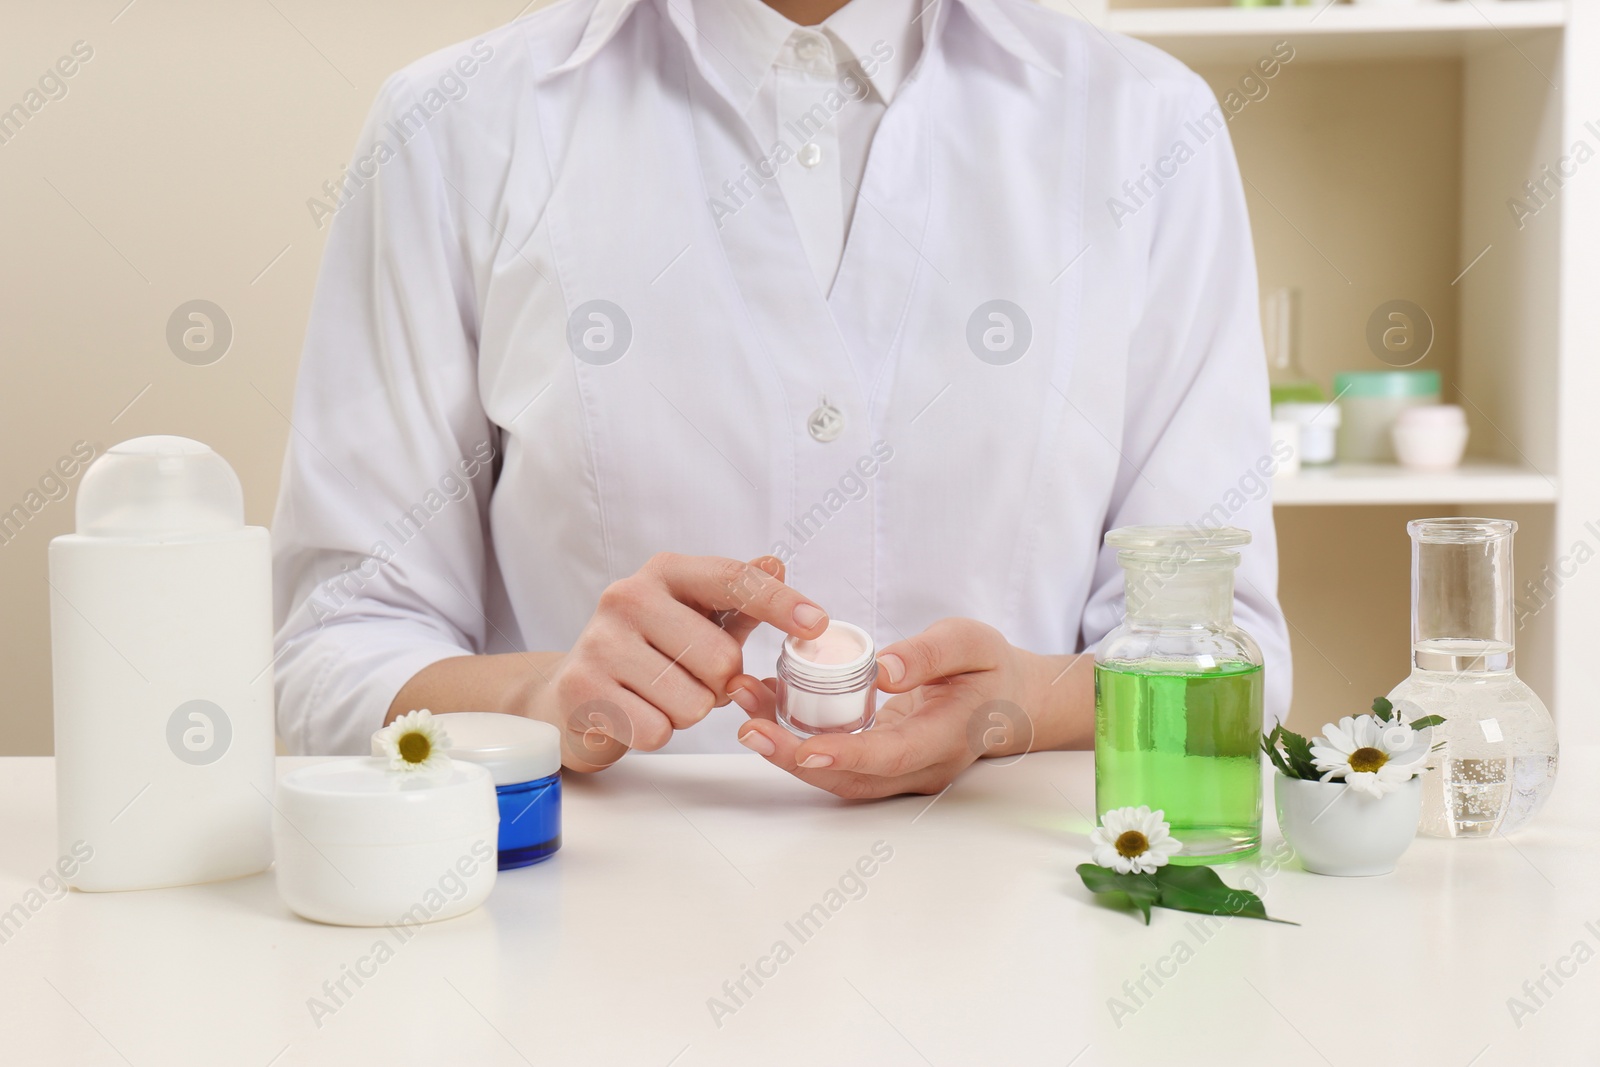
x=808 y=48
x=826 y=423
x=810 y=154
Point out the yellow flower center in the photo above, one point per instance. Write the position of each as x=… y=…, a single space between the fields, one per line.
x=414 y=747
x=1132 y=843
x=1367 y=760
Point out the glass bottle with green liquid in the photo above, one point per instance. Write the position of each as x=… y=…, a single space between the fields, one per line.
x=1280 y=334
x=1178 y=692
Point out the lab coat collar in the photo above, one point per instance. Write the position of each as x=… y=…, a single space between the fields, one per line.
x=608 y=16
x=863 y=26
x=990 y=15
x=741 y=40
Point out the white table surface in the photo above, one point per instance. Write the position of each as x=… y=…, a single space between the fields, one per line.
x=974 y=944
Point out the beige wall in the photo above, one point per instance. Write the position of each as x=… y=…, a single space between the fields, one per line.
x=176 y=167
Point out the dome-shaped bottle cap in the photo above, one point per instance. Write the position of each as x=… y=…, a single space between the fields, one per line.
x=159 y=486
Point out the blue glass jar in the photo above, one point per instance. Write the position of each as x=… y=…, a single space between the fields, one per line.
x=530 y=820
x=524 y=756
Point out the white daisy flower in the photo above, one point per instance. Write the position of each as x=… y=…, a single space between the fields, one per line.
x=1133 y=840
x=414 y=742
x=1370 y=756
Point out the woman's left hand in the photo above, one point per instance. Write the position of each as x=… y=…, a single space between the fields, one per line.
x=961 y=691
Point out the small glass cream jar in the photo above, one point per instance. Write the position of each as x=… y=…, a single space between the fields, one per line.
x=826 y=685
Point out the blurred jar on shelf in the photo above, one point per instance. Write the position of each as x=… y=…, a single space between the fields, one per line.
x=1431 y=438
x=1369 y=404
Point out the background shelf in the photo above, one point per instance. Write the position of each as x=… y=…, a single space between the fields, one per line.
x=1340 y=31
x=1473 y=483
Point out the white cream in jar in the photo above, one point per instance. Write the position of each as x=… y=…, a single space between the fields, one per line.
x=826 y=684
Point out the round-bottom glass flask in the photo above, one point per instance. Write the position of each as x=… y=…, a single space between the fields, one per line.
x=1495 y=759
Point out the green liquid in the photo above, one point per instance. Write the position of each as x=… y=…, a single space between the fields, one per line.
x=1188 y=742
x=1304 y=392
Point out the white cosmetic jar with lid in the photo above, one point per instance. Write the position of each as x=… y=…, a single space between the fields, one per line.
x=1319 y=429
x=1370 y=402
x=826 y=685
x=360 y=845
x=1431 y=438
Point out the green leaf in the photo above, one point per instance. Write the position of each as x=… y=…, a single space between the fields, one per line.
x=1141 y=889
x=1201 y=890
x=1427 y=721
x=1298 y=751
x=1383 y=709
x=1274 y=755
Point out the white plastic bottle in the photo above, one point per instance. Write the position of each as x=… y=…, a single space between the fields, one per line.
x=161 y=641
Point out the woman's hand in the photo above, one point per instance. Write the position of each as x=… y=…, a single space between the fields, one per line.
x=961 y=691
x=663 y=648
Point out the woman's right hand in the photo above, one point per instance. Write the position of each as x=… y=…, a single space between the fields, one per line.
x=664 y=647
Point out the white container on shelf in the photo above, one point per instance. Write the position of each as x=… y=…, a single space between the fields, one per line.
x=161 y=648
x=1369 y=403
x=1319 y=429
x=1285 y=446
x=1432 y=438
x=361 y=845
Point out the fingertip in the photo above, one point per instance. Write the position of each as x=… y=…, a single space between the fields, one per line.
x=891 y=673
x=810 y=619
x=826 y=750
x=743 y=696
x=752 y=738
x=763 y=701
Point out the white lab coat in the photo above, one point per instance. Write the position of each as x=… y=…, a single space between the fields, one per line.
x=466 y=474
